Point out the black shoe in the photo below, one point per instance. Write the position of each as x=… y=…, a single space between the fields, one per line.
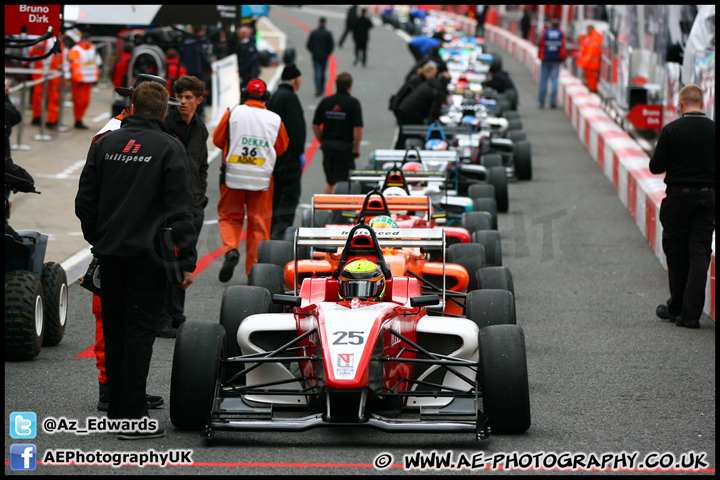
x=103 y=398
x=154 y=401
x=167 y=331
x=159 y=433
x=51 y=125
x=231 y=260
x=541 y=106
x=80 y=126
x=36 y=122
x=553 y=106
x=318 y=94
x=687 y=323
x=663 y=312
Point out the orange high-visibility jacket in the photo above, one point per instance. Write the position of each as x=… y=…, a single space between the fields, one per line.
x=83 y=65
x=590 y=51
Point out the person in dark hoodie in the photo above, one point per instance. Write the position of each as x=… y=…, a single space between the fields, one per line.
x=350 y=21
x=320 y=44
x=361 y=36
x=423 y=105
x=135 y=181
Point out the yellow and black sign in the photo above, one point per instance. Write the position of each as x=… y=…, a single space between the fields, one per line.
x=258 y=162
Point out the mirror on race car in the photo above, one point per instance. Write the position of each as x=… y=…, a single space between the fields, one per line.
x=286 y=300
x=425 y=300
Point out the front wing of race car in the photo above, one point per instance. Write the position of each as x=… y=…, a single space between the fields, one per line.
x=440 y=395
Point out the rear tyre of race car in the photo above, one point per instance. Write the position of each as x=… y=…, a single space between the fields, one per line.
x=275 y=252
x=511 y=115
x=516 y=135
x=472 y=221
x=490 y=307
x=495 y=278
x=512 y=95
x=469 y=255
x=490 y=240
x=523 y=160
x=490 y=160
x=504 y=379
x=272 y=278
x=238 y=303
x=322 y=218
x=348 y=188
x=199 y=347
x=303 y=251
x=498 y=179
x=55 y=296
x=486 y=205
x=24 y=317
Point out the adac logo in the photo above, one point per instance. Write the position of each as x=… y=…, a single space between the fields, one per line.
x=336 y=108
x=131 y=145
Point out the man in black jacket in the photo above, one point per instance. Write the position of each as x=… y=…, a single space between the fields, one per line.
x=685 y=152
x=320 y=43
x=135 y=181
x=189 y=128
x=288 y=168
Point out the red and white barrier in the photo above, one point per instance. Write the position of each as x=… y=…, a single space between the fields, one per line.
x=620 y=158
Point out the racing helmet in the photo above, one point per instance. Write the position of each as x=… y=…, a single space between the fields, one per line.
x=361 y=279
x=436 y=144
x=382 y=221
x=395 y=192
x=412 y=167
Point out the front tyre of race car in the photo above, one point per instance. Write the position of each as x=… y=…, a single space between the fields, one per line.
x=199 y=347
x=490 y=307
x=271 y=277
x=486 y=205
x=498 y=179
x=276 y=252
x=495 y=278
x=481 y=190
x=238 y=303
x=504 y=379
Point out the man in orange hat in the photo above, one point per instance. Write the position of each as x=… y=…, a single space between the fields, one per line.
x=251 y=138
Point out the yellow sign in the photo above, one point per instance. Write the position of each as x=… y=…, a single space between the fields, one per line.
x=258 y=162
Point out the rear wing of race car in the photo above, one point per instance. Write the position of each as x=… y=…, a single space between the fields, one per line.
x=431 y=160
x=344 y=237
x=373 y=206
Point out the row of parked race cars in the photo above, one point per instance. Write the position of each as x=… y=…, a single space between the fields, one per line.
x=389 y=307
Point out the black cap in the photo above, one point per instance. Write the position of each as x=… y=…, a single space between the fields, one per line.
x=142 y=78
x=290 y=72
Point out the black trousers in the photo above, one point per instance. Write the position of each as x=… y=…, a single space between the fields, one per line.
x=361 y=52
x=132 y=296
x=173 y=313
x=286 y=197
x=688 y=220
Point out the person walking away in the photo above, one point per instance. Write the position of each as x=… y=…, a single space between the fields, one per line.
x=589 y=61
x=423 y=105
x=338 y=126
x=288 y=169
x=350 y=20
x=251 y=138
x=122 y=201
x=685 y=153
x=189 y=128
x=194 y=56
x=154 y=401
x=551 y=54
x=84 y=73
x=53 y=63
x=320 y=43
x=248 y=56
x=361 y=36
x=175 y=70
